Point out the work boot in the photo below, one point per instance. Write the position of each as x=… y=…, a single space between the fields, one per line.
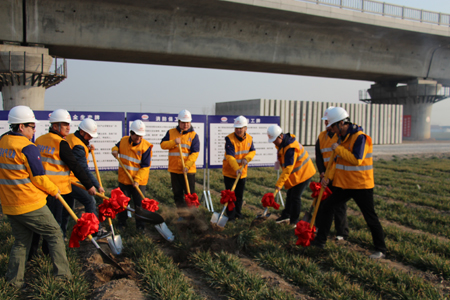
x=282 y=220
x=377 y=255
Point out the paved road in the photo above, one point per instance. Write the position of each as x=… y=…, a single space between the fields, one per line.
x=407 y=148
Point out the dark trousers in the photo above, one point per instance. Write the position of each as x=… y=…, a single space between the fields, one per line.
x=340 y=217
x=239 y=192
x=56 y=208
x=179 y=187
x=293 y=203
x=364 y=200
x=131 y=192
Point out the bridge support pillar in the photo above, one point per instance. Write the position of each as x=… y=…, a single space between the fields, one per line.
x=25 y=74
x=417 y=98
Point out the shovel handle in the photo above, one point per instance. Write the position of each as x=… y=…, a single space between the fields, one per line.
x=331 y=165
x=185 y=175
x=221 y=213
x=72 y=214
x=82 y=187
x=131 y=178
x=237 y=178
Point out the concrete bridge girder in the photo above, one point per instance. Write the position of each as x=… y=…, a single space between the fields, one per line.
x=231 y=35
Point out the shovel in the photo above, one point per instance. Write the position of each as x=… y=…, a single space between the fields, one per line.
x=161 y=227
x=219 y=219
x=140 y=213
x=106 y=258
x=114 y=241
x=265 y=214
x=184 y=173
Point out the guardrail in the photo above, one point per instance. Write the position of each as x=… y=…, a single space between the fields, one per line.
x=388 y=10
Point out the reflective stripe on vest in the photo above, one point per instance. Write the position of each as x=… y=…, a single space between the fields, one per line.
x=178 y=154
x=53 y=161
x=298 y=159
x=325 y=150
x=353 y=168
x=131 y=168
x=12 y=167
x=130 y=159
x=62 y=173
x=14 y=181
x=299 y=167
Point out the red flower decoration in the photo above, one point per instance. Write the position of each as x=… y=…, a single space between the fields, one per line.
x=315 y=188
x=305 y=233
x=229 y=197
x=105 y=210
x=269 y=200
x=120 y=201
x=150 y=204
x=86 y=225
x=191 y=200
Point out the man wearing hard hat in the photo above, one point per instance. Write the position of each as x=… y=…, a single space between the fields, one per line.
x=23 y=191
x=297 y=172
x=79 y=142
x=136 y=155
x=353 y=178
x=184 y=135
x=323 y=154
x=58 y=160
x=239 y=151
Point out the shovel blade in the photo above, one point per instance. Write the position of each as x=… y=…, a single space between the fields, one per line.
x=148 y=216
x=115 y=244
x=165 y=232
x=215 y=219
x=307 y=217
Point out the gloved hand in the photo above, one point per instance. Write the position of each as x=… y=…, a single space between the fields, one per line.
x=91 y=191
x=101 y=190
x=136 y=184
x=115 y=153
x=244 y=162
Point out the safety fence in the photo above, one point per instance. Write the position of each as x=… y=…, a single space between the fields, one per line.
x=388 y=10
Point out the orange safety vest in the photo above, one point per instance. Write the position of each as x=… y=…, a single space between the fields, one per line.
x=17 y=193
x=175 y=165
x=348 y=176
x=242 y=149
x=303 y=167
x=73 y=141
x=325 y=146
x=55 y=168
x=131 y=157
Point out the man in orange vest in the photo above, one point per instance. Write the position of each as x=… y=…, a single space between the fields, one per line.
x=353 y=178
x=297 y=171
x=58 y=160
x=323 y=154
x=239 y=151
x=136 y=155
x=79 y=143
x=23 y=191
x=184 y=135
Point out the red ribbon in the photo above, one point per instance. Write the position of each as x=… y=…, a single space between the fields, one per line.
x=304 y=233
x=269 y=200
x=116 y=204
x=229 y=197
x=315 y=188
x=150 y=204
x=86 y=225
x=191 y=200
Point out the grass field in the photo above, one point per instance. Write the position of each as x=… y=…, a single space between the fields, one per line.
x=262 y=262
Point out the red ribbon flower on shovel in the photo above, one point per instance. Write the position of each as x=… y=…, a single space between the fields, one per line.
x=191 y=200
x=305 y=233
x=315 y=188
x=227 y=196
x=150 y=204
x=86 y=225
x=116 y=204
x=269 y=200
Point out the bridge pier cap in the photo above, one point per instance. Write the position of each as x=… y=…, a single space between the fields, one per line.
x=417 y=97
x=25 y=75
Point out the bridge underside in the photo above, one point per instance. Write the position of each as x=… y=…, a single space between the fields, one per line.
x=226 y=35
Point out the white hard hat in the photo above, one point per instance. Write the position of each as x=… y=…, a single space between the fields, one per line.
x=21 y=115
x=89 y=126
x=60 y=115
x=273 y=132
x=138 y=127
x=327 y=111
x=240 y=122
x=336 y=114
x=184 y=116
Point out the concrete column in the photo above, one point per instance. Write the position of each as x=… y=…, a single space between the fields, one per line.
x=417 y=98
x=25 y=74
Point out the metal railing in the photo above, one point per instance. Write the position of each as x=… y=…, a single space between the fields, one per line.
x=388 y=10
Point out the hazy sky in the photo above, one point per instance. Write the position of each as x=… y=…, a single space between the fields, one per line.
x=150 y=88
